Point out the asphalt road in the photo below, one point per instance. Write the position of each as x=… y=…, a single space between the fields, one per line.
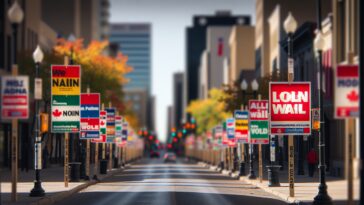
x=152 y=182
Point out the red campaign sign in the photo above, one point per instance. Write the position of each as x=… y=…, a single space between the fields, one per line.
x=347 y=92
x=102 y=139
x=225 y=140
x=232 y=142
x=61 y=71
x=290 y=108
x=90 y=124
x=258 y=110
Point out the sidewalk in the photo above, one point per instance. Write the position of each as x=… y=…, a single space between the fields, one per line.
x=52 y=183
x=306 y=188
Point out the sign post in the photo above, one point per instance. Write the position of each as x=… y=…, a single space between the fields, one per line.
x=290 y=114
x=110 y=123
x=65 y=103
x=258 y=119
x=14 y=106
x=90 y=122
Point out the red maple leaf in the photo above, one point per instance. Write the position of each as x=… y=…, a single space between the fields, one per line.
x=56 y=113
x=102 y=123
x=353 y=96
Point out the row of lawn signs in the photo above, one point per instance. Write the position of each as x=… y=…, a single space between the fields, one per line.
x=72 y=111
x=288 y=111
x=289 y=105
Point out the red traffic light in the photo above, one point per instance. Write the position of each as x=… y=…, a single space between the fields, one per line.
x=175 y=139
x=169 y=146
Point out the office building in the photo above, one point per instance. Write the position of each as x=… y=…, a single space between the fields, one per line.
x=83 y=18
x=269 y=31
x=134 y=40
x=178 y=81
x=196 y=44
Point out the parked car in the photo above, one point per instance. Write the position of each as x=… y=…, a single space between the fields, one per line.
x=154 y=154
x=170 y=157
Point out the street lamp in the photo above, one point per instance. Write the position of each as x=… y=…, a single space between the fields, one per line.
x=16 y=16
x=322 y=197
x=255 y=87
x=244 y=87
x=72 y=39
x=37 y=190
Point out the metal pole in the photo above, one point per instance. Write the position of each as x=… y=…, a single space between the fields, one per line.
x=361 y=121
x=14 y=123
x=322 y=197
x=37 y=189
x=251 y=146
x=290 y=137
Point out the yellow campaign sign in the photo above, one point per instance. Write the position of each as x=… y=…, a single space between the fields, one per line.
x=66 y=86
x=130 y=138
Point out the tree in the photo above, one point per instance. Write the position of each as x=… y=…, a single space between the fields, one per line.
x=208 y=112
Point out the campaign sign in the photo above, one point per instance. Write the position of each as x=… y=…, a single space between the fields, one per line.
x=258 y=109
x=118 y=126
x=290 y=108
x=125 y=133
x=110 y=125
x=14 y=97
x=230 y=128
x=102 y=131
x=259 y=126
x=218 y=131
x=347 y=91
x=90 y=116
x=65 y=102
x=241 y=126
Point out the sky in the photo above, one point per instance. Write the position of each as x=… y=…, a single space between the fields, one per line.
x=169 y=19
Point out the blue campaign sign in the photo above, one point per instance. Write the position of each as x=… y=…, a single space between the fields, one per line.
x=90 y=111
x=230 y=128
x=90 y=116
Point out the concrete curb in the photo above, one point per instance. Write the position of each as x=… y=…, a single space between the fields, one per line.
x=285 y=197
x=256 y=183
x=48 y=200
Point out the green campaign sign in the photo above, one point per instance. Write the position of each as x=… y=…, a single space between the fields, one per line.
x=259 y=132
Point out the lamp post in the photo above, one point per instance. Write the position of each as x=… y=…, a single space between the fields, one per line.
x=37 y=190
x=322 y=197
x=255 y=87
x=290 y=26
x=16 y=16
x=244 y=87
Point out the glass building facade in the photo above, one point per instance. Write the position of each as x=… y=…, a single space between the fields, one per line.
x=134 y=40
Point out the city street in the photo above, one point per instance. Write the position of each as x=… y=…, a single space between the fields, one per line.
x=155 y=182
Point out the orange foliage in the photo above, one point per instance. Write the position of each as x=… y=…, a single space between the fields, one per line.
x=93 y=56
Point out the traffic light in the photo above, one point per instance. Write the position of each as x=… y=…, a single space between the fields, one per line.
x=179 y=134
x=173 y=134
x=151 y=137
x=184 y=131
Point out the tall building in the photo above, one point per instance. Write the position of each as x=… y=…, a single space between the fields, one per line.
x=196 y=44
x=83 y=18
x=242 y=53
x=169 y=122
x=178 y=81
x=134 y=40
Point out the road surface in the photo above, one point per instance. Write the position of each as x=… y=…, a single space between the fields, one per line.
x=152 y=182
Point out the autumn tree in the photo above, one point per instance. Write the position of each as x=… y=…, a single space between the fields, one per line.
x=209 y=112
